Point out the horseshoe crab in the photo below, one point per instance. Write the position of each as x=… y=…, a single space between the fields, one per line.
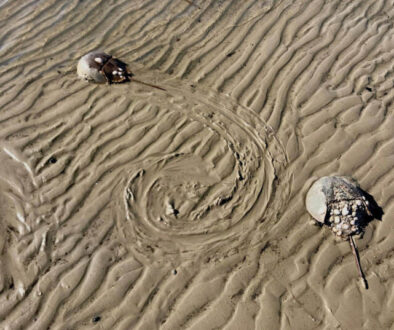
x=101 y=67
x=339 y=203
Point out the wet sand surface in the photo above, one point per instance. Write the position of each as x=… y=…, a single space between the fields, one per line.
x=127 y=207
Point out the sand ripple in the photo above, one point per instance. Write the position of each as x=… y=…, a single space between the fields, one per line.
x=127 y=207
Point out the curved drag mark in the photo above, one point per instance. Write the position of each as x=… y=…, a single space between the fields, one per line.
x=207 y=193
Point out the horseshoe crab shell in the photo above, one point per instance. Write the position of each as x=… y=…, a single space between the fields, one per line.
x=338 y=202
x=101 y=67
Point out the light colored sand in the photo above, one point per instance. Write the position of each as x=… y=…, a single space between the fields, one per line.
x=184 y=208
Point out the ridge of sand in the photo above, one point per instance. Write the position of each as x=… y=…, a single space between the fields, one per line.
x=125 y=207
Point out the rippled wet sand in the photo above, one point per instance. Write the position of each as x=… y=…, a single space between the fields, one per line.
x=128 y=207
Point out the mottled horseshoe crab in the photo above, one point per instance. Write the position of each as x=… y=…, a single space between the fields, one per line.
x=101 y=67
x=339 y=203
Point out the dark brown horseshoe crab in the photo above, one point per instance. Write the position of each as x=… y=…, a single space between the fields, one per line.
x=101 y=67
x=339 y=203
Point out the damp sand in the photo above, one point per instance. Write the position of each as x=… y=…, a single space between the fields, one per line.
x=128 y=207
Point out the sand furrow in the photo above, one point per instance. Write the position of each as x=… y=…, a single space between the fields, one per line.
x=128 y=207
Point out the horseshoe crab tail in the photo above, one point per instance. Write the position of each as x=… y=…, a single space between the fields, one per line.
x=357 y=258
x=146 y=84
